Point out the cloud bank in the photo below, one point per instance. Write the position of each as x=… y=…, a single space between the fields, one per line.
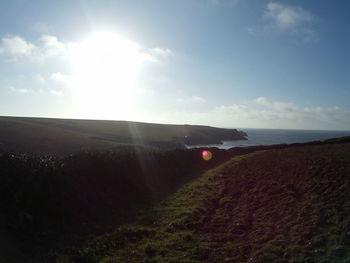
x=49 y=46
x=16 y=48
x=265 y=113
x=48 y=51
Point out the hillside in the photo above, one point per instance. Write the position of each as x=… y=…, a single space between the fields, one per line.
x=281 y=205
x=51 y=201
x=40 y=135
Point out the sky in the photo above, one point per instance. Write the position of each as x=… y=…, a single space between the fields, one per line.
x=226 y=63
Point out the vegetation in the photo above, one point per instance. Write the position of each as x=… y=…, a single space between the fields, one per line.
x=47 y=199
x=286 y=205
x=268 y=204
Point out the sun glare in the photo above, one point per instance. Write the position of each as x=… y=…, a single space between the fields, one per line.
x=105 y=71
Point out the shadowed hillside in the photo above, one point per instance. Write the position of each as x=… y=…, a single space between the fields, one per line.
x=283 y=205
x=42 y=135
x=48 y=201
x=280 y=203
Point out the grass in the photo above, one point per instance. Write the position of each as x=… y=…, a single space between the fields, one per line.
x=48 y=202
x=286 y=205
x=163 y=234
x=289 y=204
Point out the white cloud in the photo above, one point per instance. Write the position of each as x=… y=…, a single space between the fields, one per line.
x=283 y=18
x=15 y=47
x=62 y=78
x=49 y=46
x=37 y=83
x=191 y=100
x=234 y=109
x=276 y=105
x=22 y=90
x=287 y=17
x=259 y=113
x=161 y=51
x=56 y=92
x=263 y=112
x=52 y=47
x=262 y=101
x=156 y=54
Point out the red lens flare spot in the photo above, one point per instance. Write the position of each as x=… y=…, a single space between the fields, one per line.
x=206 y=155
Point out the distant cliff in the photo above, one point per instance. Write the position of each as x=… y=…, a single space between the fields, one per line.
x=210 y=135
x=65 y=136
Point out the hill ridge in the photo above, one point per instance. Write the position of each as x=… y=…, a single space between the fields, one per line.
x=65 y=136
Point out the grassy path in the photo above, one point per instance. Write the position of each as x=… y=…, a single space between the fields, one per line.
x=164 y=234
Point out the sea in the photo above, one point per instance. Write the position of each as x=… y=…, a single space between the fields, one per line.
x=275 y=136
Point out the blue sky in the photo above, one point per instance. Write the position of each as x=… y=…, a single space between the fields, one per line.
x=227 y=63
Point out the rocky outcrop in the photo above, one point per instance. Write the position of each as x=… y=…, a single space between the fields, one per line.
x=210 y=135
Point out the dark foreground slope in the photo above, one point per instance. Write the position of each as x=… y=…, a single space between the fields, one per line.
x=42 y=135
x=288 y=205
x=48 y=202
x=284 y=205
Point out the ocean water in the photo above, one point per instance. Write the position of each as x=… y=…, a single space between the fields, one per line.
x=274 y=136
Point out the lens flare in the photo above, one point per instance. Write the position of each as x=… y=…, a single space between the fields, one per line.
x=206 y=155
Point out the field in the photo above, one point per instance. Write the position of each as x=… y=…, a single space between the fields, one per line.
x=285 y=205
x=282 y=203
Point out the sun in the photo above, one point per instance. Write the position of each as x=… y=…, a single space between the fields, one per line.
x=105 y=69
